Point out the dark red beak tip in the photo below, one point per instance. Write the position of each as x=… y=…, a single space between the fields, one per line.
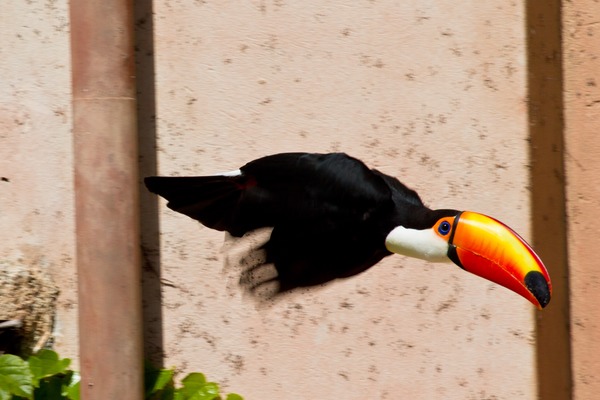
x=537 y=285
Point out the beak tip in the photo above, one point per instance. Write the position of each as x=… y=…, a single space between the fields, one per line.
x=538 y=286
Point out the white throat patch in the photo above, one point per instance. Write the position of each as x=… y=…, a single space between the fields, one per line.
x=424 y=244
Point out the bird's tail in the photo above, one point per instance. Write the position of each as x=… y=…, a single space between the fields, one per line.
x=212 y=200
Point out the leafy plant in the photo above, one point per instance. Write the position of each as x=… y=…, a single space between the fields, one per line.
x=43 y=376
x=46 y=376
x=159 y=385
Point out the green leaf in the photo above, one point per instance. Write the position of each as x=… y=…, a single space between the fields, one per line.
x=73 y=392
x=70 y=389
x=195 y=387
x=5 y=395
x=15 y=376
x=167 y=393
x=195 y=379
x=157 y=380
x=192 y=383
x=209 y=391
x=233 y=396
x=46 y=363
x=49 y=388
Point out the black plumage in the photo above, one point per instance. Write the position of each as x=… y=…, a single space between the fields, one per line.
x=330 y=213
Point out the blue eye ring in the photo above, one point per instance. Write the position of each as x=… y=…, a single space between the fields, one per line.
x=444 y=228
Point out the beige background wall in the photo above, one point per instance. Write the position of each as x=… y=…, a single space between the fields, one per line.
x=431 y=92
x=582 y=119
x=36 y=199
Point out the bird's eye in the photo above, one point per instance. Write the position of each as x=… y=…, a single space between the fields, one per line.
x=444 y=228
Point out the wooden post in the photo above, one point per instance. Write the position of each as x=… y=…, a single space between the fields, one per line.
x=106 y=195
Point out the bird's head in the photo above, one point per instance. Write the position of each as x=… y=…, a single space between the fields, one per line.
x=478 y=244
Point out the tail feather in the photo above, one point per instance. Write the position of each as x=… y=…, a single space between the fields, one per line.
x=212 y=200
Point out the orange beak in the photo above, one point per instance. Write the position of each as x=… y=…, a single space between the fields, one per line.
x=488 y=248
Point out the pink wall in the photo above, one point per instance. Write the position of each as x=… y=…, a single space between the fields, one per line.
x=429 y=93
x=582 y=119
x=432 y=92
x=36 y=204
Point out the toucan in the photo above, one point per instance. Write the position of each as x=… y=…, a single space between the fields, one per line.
x=333 y=217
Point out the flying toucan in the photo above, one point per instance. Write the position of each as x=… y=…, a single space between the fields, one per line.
x=334 y=217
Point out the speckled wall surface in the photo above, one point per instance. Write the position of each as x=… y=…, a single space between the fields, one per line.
x=36 y=184
x=433 y=93
x=582 y=119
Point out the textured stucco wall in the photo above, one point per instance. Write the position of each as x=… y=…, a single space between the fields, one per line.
x=432 y=92
x=36 y=197
x=581 y=64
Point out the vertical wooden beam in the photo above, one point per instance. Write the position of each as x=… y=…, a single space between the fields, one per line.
x=106 y=199
x=545 y=81
x=581 y=49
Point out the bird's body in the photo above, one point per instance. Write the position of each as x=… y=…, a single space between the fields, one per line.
x=332 y=216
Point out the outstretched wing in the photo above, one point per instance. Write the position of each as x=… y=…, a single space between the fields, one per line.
x=276 y=190
x=328 y=211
